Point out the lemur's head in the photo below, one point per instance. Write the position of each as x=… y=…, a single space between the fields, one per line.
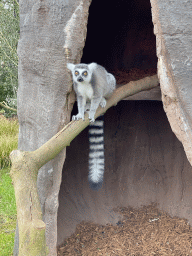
x=81 y=72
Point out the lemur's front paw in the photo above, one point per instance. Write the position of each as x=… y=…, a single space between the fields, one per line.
x=103 y=102
x=77 y=117
x=91 y=117
x=92 y=120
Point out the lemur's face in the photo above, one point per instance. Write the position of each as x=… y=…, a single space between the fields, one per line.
x=82 y=75
x=81 y=72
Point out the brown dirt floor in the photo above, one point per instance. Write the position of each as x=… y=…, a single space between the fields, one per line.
x=124 y=77
x=144 y=231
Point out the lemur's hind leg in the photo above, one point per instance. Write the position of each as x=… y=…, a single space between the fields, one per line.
x=103 y=102
x=87 y=106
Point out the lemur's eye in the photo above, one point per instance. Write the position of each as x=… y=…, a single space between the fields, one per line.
x=85 y=73
x=76 y=73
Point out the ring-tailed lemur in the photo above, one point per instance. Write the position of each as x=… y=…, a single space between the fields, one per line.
x=93 y=85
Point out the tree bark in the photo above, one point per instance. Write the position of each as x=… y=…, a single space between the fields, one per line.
x=25 y=166
x=29 y=215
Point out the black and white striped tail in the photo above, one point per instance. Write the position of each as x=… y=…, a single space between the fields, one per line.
x=96 y=153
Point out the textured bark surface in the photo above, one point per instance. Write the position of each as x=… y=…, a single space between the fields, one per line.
x=44 y=103
x=172 y=26
x=24 y=171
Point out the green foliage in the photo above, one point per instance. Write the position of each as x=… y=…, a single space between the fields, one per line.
x=9 y=35
x=9 y=139
x=8 y=142
x=7 y=213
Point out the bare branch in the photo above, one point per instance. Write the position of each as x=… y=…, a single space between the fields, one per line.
x=2 y=104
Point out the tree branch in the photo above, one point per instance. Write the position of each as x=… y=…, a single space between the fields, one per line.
x=63 y=138
x=25 y=166
x=2 y=104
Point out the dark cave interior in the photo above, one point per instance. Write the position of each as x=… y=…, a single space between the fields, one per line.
x=120 y=37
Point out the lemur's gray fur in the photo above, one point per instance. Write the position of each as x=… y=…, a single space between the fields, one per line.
x=93 y=85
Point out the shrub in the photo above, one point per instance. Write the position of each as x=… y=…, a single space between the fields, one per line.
x=8 y=139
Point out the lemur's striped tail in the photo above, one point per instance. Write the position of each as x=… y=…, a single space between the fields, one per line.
x=96 y=153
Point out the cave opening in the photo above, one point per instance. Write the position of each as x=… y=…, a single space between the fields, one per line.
x=120 y=37
x=144 y=159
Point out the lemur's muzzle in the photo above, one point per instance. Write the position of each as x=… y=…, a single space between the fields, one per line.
x=80 y=79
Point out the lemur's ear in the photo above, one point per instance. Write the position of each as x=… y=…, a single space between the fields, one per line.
x=70 y=66
x=92 y=66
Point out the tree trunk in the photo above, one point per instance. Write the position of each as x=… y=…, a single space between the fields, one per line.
x=29 y=215
x=44 y=101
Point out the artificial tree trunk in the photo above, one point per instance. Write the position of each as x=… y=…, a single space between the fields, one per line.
x=44 y=102
x=25 y=167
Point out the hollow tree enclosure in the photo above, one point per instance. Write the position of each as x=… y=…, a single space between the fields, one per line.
x=145 y=162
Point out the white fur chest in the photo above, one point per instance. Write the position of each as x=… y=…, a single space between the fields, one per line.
x=85 y=90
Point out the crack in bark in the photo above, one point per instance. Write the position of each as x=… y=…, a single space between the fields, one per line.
x=31 y=201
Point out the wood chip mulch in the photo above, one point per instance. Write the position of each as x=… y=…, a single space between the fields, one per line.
x=145 y=231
